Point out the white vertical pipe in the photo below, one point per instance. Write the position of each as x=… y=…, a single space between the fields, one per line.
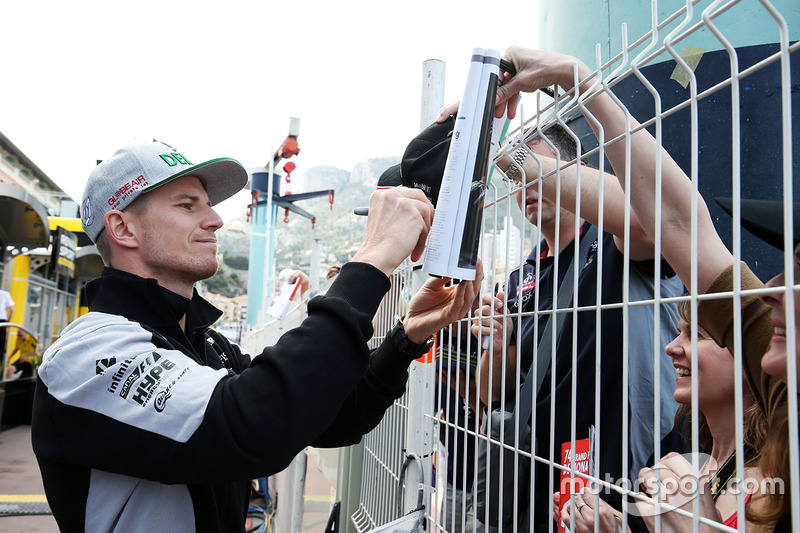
x=432 y=91
x=291 y=488
x=420 y=438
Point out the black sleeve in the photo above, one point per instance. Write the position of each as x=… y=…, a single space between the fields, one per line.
x=384 y=382
x=207 y=425
x=296 y=390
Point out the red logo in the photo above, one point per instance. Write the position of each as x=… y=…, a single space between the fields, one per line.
x=136 y=184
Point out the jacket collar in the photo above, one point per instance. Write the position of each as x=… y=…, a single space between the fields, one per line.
x=144 y=300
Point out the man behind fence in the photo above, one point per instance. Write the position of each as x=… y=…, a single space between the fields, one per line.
x=148 y=420
x=532 y=290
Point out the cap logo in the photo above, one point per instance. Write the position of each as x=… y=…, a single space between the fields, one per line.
x=424 y=186
x=136 y=184
x=174 y=158
x=87 y=212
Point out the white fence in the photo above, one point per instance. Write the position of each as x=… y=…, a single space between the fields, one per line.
x=708 y=125
x=728 y=115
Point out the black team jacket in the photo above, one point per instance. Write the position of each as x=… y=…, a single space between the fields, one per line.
x=141 y=426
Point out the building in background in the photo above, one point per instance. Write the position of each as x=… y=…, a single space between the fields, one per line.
x=45 y=257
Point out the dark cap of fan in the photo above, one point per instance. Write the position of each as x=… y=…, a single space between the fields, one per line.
x=422 y=165
x=390 y=177
x=764 y=219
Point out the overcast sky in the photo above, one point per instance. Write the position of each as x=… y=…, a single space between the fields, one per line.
x=80 y=79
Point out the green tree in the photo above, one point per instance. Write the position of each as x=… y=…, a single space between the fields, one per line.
x=238 y=262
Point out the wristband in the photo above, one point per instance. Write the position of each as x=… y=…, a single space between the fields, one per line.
x=398 y=337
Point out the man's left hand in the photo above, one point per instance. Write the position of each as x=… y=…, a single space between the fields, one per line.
x=436 y=306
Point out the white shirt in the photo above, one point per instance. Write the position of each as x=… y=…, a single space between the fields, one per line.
x=5 y=303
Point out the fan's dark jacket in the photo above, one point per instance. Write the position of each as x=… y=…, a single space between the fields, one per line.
x=139 y=425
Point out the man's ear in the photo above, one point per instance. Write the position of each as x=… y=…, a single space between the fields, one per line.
x=120 y=229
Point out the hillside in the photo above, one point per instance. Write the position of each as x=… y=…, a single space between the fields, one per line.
x=339 y=231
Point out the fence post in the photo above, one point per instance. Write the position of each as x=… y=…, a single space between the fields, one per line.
x=351 y=462
x=291 y=495
x=432 y=91
x=420 y=438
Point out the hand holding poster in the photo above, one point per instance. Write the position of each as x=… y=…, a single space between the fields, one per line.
x=581 y=459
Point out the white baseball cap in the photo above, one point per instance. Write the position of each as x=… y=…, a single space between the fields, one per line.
x=140 y=168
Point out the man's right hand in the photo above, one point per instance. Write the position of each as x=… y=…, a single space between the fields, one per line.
x=490 y=320
x=535 y=69
x=398 y=225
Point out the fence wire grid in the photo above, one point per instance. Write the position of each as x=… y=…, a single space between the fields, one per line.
x=709 y=127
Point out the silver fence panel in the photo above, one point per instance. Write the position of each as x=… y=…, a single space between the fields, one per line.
x=509 y=237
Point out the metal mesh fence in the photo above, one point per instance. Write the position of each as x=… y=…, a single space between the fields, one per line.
x=722 y=120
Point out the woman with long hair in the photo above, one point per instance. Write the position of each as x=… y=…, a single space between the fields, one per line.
x=716 y=435
x=716 y=411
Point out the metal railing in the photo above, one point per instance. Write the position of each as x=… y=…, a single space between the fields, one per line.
x=679 y=120
x=707 y=115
